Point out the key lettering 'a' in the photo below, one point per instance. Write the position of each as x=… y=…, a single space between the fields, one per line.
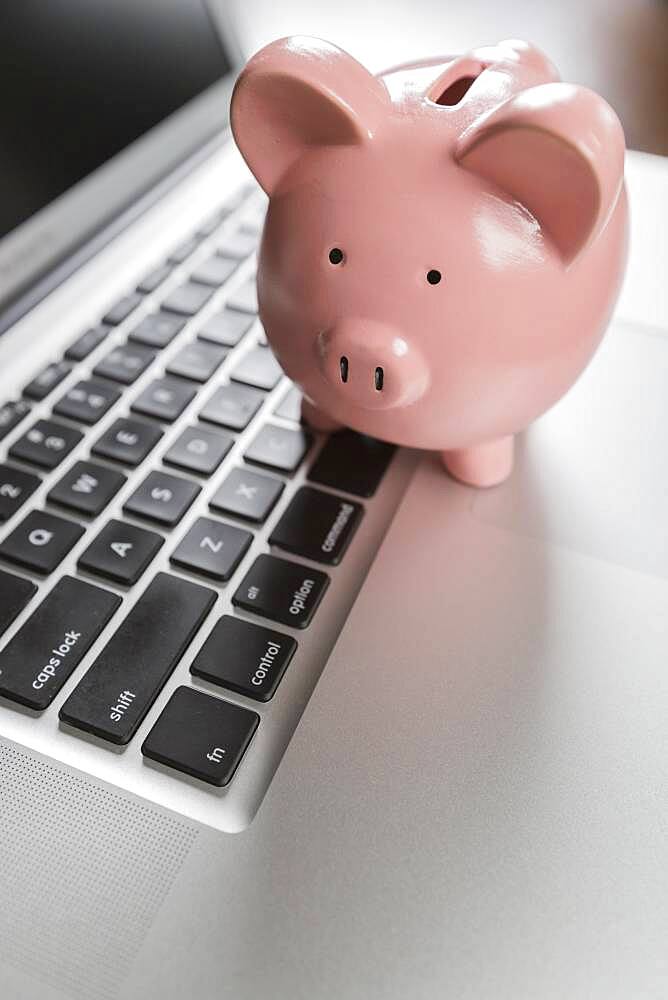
x=121 y=549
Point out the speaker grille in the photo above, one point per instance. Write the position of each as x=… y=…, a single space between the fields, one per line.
x=83 y=873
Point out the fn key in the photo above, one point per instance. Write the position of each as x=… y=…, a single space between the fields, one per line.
x=201 y=736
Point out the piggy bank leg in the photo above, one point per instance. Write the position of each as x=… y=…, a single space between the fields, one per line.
x=483 y=465
x=316 y=419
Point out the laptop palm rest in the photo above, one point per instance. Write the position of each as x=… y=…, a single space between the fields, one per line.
x=592 y=475
x=486 y=747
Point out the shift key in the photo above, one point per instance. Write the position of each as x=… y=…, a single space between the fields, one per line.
x=115 y=694
x=53 y=641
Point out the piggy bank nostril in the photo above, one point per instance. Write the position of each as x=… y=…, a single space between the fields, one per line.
x=369 y=365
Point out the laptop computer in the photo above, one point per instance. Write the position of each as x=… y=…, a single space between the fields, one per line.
x=466 y=692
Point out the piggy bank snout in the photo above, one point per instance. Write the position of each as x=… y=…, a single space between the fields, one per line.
x=372 y=365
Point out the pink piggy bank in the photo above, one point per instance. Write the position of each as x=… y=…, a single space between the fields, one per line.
x=443 y=245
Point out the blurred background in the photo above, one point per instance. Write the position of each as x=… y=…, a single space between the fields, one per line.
x=617 y=47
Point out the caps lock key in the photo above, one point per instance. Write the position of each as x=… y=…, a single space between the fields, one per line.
x=51 y=644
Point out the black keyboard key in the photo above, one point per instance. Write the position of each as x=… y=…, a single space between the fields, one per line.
x=290 y=407
x=258 y=367
x=154 y=279
x=353 y=463
x=164 y=399
x=162 y=498
x=121 y=552
x=245 y=658
x=279 y=447
x=87 y=488
x=197 y=361
x=15 y=488
x=87 y=401
x=238 y=244
x=183 y=251
x=317 y=525
x=199 y=450
x=115 y=694
x=41 y=541
x=233 y=406
x=226 y=327
x=281 y=591
x=157 y=329
x=247 y=494
x=215 y=271
x=188 y=299
x=87 y=342
x=125 y=364
x=122 y=309
x=11 y=415
x=47 y=380
x=15 y=593
x=46 y=444
x=127 y=441
x=49 y=647
x=244 y=298
x=201 y=736
x=212 y=548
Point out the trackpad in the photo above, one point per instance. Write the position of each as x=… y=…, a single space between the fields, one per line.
x=592 y=475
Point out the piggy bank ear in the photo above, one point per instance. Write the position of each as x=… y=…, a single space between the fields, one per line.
x=559 y=151
x=297 y=93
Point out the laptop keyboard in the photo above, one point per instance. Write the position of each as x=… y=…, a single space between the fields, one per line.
x=201 y=732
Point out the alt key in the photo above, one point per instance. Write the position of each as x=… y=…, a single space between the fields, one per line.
x=281 y=591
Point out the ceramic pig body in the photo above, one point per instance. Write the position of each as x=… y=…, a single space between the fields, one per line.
x=443 y=245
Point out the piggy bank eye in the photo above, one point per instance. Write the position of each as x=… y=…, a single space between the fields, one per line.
x=336 y=256
x=433 y=277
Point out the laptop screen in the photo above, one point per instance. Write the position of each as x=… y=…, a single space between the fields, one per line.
x=81 y=84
